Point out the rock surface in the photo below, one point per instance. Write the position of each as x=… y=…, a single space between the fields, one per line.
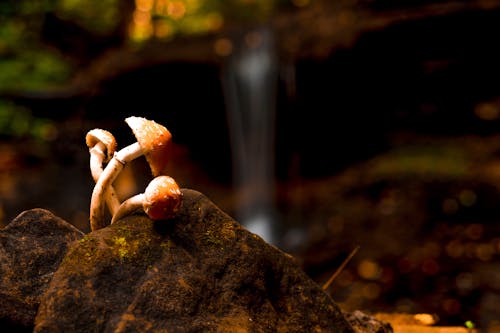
x=363 y=323
x=199 y=272
x=31 y=249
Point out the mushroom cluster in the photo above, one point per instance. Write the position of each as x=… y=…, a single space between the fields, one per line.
x=162 y=197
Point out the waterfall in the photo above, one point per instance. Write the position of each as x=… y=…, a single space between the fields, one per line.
x=250 y=83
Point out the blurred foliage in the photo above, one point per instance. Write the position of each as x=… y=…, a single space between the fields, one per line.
x=32 y=70
x=165 y=19
x=18 y=122
x=101 y=17
x=432 y=161
x=25 y=62
x=35 y=55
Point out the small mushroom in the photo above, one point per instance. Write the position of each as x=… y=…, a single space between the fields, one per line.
x=102 y=146
x=160 y=201
x=153 y=141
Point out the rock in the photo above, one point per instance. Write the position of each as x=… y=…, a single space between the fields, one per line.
x=199 y=272
x=31 y=248
x=363 y=323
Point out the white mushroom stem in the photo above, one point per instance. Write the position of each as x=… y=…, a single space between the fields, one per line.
x=105 y=181
x=129 y=206
x=97 y=156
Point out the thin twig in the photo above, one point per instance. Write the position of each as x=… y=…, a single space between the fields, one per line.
x=341 y=267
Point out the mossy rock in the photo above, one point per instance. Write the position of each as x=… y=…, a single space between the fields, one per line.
x=198 y=272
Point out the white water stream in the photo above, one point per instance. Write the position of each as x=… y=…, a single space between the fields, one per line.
x=250 y=86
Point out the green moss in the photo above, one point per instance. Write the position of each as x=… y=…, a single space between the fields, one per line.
x=88 y=247
x=221 y=234
x=126 y=249
x=131 y=244
x=166 y=245
x=120 y=244
x=82 y=255
x=124 y=230
x=211 y=239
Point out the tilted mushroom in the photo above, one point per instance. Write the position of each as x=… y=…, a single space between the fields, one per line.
x=153 y=141
x=160 y=201
x=102 y=146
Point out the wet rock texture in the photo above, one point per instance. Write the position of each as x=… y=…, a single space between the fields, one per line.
x=199 y=272
x=31 y=249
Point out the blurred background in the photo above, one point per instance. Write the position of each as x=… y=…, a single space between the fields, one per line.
x=321 y=125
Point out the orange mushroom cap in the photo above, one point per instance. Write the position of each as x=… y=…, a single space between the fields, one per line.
x=162 y=198
x=154 y=140
x=97 y=135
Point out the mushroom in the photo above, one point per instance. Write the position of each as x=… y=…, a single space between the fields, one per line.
x=160 y=201
x=153 y=141
x=102 y=146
